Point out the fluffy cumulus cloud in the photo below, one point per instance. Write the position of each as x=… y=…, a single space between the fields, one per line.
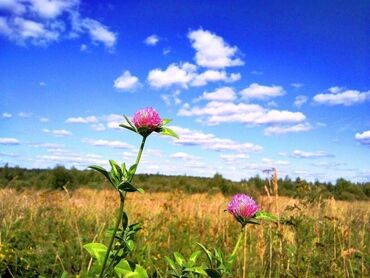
x=107 y=143
x=126 y=82
x=216 y=112
x=212 y=51
x=57 y=132
x=175 y=74
x=341 y=96
x=363 y=137
x=220 y=94
x=9 y=141
x=257 y=91
x=287 y=129
x=210 y=141
x=186 y=74
x=82 y=120
x=151 y=40
x=41 y=22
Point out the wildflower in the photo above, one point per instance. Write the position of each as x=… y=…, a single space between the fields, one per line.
x=147 y=120
x=243 y=208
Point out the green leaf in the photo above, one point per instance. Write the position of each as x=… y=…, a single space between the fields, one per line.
x=266 y=216
x=166 y=121
x=179 y=259
x=97 y=251
x=168 y=132
x=193 y=258
x=130 y=123
x=198 y=270
x=140 y=272
x=171 y=263
x=122 y=268
x=124 y=220
x=128 y=187
x=124 y=169
x=101 y=170
x=213 y=273
x=207 y=252
x=140 y=190
x=116 y=169
x=128 y=127
x=132 y=170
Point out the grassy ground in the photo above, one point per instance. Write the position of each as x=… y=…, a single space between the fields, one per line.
x=42 y=233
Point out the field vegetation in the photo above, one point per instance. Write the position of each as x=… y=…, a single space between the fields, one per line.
x=43 y=230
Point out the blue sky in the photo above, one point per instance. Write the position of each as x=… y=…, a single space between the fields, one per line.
x=249 y=85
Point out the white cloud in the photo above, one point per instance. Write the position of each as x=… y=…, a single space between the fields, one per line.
x=151 y=40
x=51 y=8
x=82 y=120
x=41 y=22
x=99 y=32
x=9 y=141
x=175 y=74
x=22 y=30
x=220 y=94
x=186 y=74
x=287 y=129
x=212 y=51
x=24 y=114
x=43 y=119
x=300 y=100
x=304 y=154
x=98 y=127
x=212 y=76
x=257 y=91
x=340 y=96
x=71 y=158
x=6 y=115
x=296 y=85
x=234 y=157
x=8 y=154
x=108 y=143
x=272 y=163
x=184 y=156
x=172 y=99
x=166 y=51
x=58 y=132
x=126 y=82
x=210 y=141
x=216 y=112
x=114 y=120
x=14 y=6
x=46 y=145
x=42 y=84
x=83 y=47
x=364 y=137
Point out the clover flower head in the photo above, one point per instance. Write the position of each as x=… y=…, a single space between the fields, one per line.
x=147 y=119
x=242 y=207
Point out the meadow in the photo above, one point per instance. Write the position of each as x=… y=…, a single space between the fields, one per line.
x=42 y=232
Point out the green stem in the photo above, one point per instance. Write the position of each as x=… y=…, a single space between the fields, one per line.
x=118 y=221
x=120 y=213
x=138 y=156
x=237 y=245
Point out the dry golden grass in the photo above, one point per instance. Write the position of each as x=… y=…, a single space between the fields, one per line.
x=59 y=223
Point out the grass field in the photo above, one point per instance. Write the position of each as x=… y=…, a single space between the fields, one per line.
x=42 y=233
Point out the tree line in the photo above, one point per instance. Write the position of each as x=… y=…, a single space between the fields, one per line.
x=60 y=177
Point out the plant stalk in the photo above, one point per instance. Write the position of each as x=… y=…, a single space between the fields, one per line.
x=120 y=212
